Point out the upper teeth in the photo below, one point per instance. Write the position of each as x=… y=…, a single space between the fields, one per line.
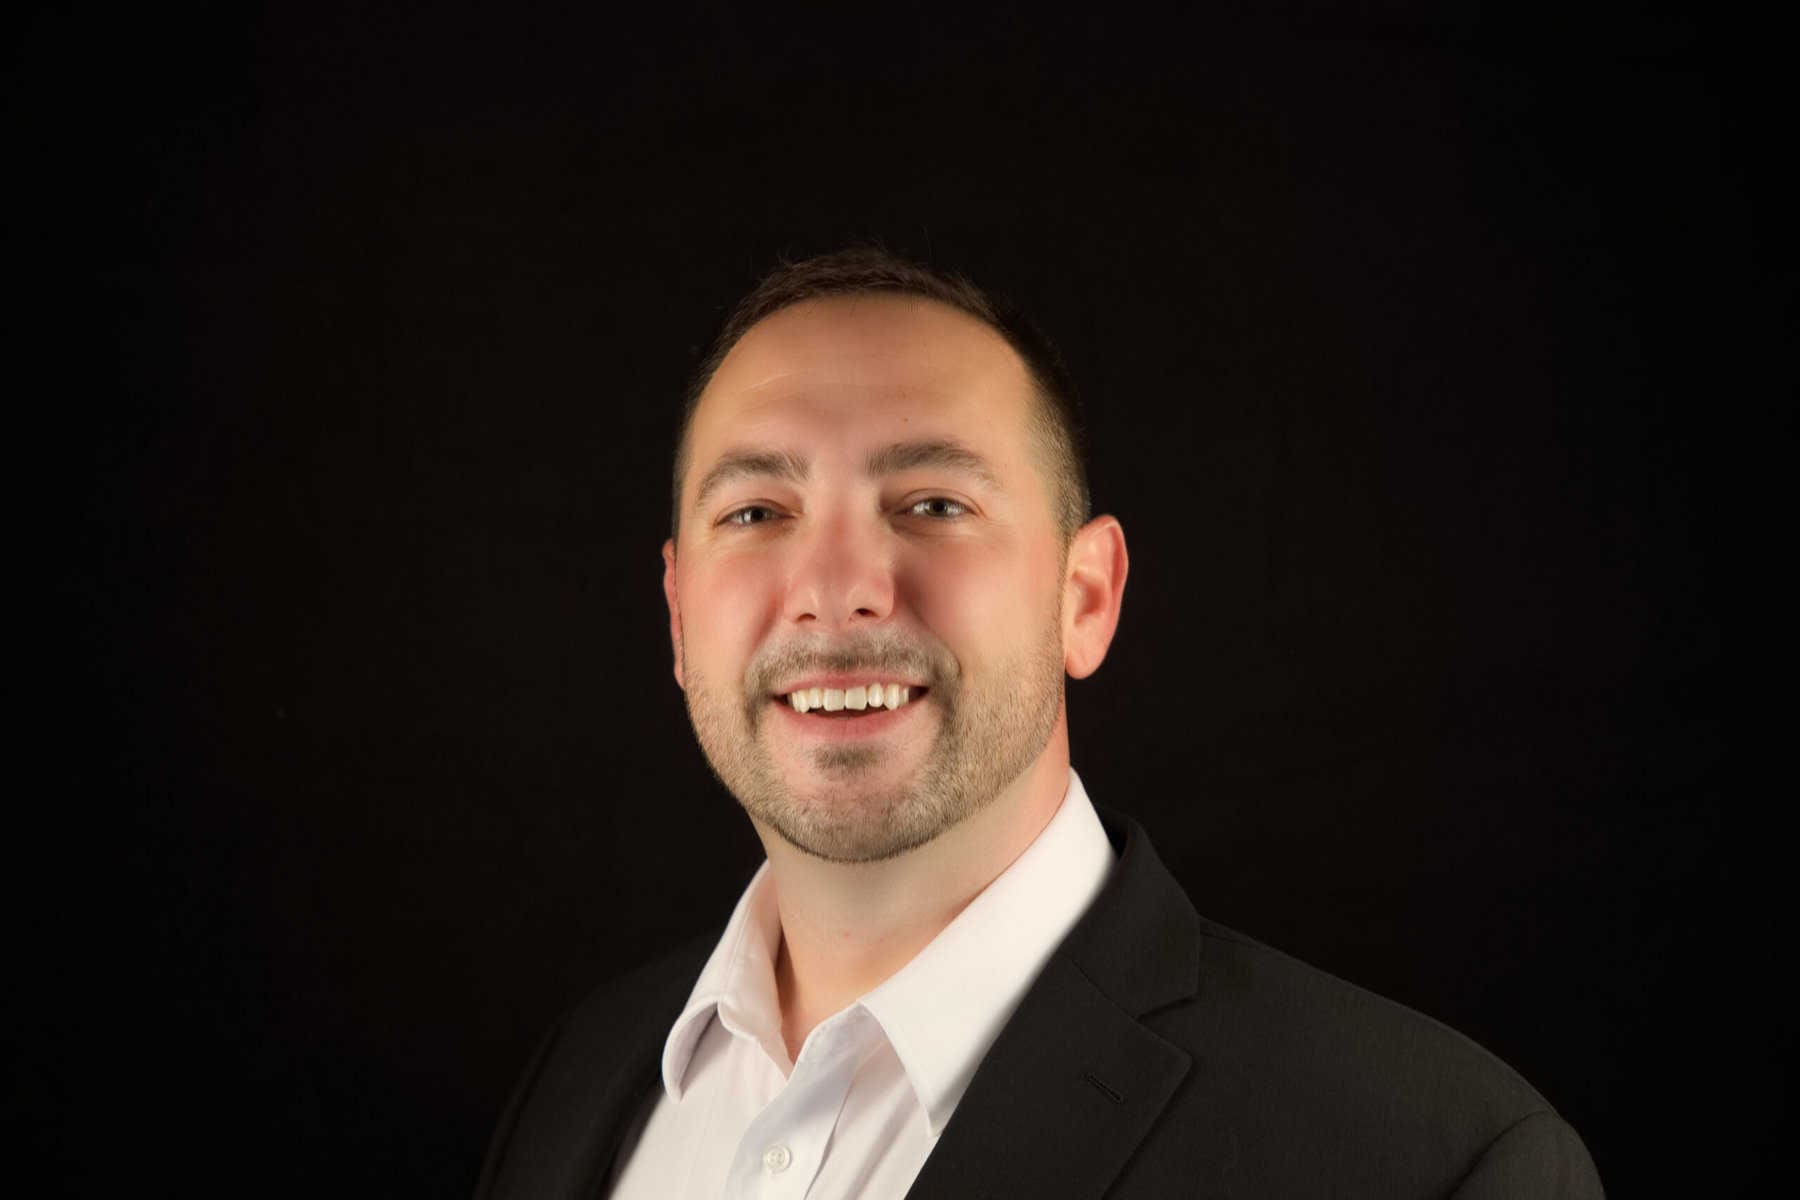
x=874 y=695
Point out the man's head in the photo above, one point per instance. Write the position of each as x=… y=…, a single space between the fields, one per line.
x=867 y=496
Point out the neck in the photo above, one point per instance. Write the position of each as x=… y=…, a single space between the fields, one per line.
x=846 y=927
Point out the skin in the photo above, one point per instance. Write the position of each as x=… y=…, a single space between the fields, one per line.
x=949 y=574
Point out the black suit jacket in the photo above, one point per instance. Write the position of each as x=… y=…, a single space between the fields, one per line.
x=1157 y=1055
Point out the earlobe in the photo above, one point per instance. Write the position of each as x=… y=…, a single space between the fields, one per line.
x=674 y=603
x=1093 y=592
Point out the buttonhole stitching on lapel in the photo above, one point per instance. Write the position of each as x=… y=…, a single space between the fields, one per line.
x=1104 y=1090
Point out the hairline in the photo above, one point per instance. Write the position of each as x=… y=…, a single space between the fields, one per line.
x=1052 y=441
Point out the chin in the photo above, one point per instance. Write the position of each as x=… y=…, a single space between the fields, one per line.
x=854 y=841
x=854 y=818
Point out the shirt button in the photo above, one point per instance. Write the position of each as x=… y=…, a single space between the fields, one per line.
x=777 y=1158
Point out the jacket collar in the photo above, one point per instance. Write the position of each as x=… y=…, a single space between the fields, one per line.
x=1076 y=1080
x=1140 y=942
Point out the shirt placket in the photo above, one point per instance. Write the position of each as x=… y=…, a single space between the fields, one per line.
x=784 y=1147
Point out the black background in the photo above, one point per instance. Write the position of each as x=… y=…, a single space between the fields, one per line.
x=1430 y=359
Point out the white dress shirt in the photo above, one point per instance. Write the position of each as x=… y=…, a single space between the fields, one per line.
x=860 y=1110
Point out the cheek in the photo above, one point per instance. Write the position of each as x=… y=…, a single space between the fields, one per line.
x=725 y=609
x=982 y=604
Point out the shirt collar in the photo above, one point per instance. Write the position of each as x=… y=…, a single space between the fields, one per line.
x=737 y=984
x=942 y=1011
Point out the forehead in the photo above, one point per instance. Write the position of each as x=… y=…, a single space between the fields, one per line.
x=862 y=369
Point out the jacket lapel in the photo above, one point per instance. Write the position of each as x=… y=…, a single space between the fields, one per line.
x=587 y=1086
x=1075 y=1080
x=1060 y=1102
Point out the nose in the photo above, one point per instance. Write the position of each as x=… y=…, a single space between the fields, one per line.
x=844 y=576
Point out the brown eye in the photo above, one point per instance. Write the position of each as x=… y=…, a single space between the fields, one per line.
x=941 y=507
x=750 y=514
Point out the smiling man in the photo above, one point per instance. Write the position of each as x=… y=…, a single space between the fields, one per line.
x=954 y=976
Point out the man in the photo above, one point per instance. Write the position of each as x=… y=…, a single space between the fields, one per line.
x=954 y=976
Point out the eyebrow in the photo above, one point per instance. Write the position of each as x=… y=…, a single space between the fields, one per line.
x=943 y=453
x=743 y=464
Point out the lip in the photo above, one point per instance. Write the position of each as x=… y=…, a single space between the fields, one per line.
x=818 y=727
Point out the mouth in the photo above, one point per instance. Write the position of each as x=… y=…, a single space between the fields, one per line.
x=859 y=702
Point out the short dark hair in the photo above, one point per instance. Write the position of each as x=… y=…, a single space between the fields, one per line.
x=869 y=269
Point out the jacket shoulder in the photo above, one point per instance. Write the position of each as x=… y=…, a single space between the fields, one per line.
x=1336 y=1090
x=1296 y=1008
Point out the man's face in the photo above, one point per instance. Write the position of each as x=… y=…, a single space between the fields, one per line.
x=863 y=506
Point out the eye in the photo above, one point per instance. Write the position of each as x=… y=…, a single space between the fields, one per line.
x=750 y=514
x=941 y=507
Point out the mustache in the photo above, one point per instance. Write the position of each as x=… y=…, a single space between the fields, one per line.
x=885 y=653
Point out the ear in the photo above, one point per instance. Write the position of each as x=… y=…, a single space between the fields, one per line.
x=674 y=608
x=1093 y=590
